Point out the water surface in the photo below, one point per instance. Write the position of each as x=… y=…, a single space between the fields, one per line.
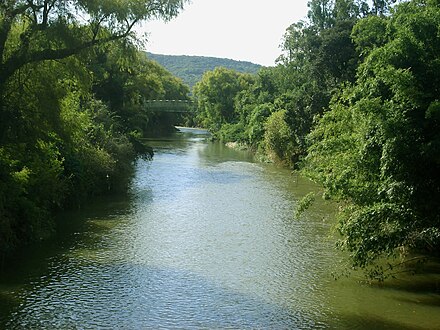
x=205 y=239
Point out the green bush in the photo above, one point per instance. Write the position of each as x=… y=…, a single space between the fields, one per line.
x=256 y=127
x=232 y=133
x=278 y=137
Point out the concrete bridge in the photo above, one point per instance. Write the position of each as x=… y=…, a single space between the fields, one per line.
x=171 y=106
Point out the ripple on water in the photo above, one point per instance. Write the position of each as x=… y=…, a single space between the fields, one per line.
x=156 y=298
x=207 y=241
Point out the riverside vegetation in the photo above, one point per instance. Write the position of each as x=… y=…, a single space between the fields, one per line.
x=72 y=86
x=354 y=103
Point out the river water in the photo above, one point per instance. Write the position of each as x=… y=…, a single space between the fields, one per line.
x=205 y=239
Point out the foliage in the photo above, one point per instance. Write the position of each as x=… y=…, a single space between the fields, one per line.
x=355 y=93
x=317 y=59
x=278 y=137
x=33 y=30
x=232 y=132
x=377 y=147
x=255 y=129
x=125 y=79
x=71 y=106
x=215 y=95
x=303 y=204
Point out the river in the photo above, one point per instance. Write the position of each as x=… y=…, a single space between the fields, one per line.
x=204 y=239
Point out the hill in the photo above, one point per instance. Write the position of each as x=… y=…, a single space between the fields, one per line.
x=191 y=68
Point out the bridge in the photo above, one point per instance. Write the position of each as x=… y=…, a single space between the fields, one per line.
x=171 y=106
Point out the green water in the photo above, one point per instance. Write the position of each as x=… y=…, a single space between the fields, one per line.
x=205 y=239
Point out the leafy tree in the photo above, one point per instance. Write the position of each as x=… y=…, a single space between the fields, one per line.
x=319 y=55
x=125 y=79
x=321 y=13
x=347 y=10
x=369 y=33
x=68 y=103
x=335 y=60
x=377 y=149
x=317 y=60
x=256 y=129
x=216 y=94
x=35 y=30
x=382 y=7
x=298 y=44
x=278 y=136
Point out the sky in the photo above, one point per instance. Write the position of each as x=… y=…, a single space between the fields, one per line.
x=246 y=30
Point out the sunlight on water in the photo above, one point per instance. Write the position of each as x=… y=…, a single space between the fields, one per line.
x=205 y=239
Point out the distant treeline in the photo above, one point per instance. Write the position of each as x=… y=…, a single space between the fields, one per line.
x=191 y=68
x=354 y=103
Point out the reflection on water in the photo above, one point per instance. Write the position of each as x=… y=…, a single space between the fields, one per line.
x=205 y=239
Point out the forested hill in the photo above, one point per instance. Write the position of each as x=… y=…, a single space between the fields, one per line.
x=191 y=68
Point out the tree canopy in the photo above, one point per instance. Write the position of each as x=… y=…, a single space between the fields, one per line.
x=377 y=146
x=73 y=87
x=38 y=30
x=353 y=103
x=215 y=93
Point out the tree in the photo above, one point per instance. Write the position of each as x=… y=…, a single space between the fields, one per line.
x=68 y=123
x=297 y=44
x=321 y=13
x=37 y=30
x=279 y=139
x=382 y=7
x=216 y=94
x=369 y=33
x=345 y=10
x=125 y=78
x=377 y=149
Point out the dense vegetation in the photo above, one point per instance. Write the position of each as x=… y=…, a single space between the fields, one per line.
x=191 y=68
x=71 y=105
x=353 y=101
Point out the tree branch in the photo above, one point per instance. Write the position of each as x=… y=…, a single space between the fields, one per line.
x=96 y=29
x=48 y=6
x=22 y=9
x=14 y=63
x=5 y=28
x=34 y=11
x=8 y=19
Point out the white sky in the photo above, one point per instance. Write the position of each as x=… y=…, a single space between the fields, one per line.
x=247 y=30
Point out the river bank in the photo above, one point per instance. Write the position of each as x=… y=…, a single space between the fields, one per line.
x=204 y=238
